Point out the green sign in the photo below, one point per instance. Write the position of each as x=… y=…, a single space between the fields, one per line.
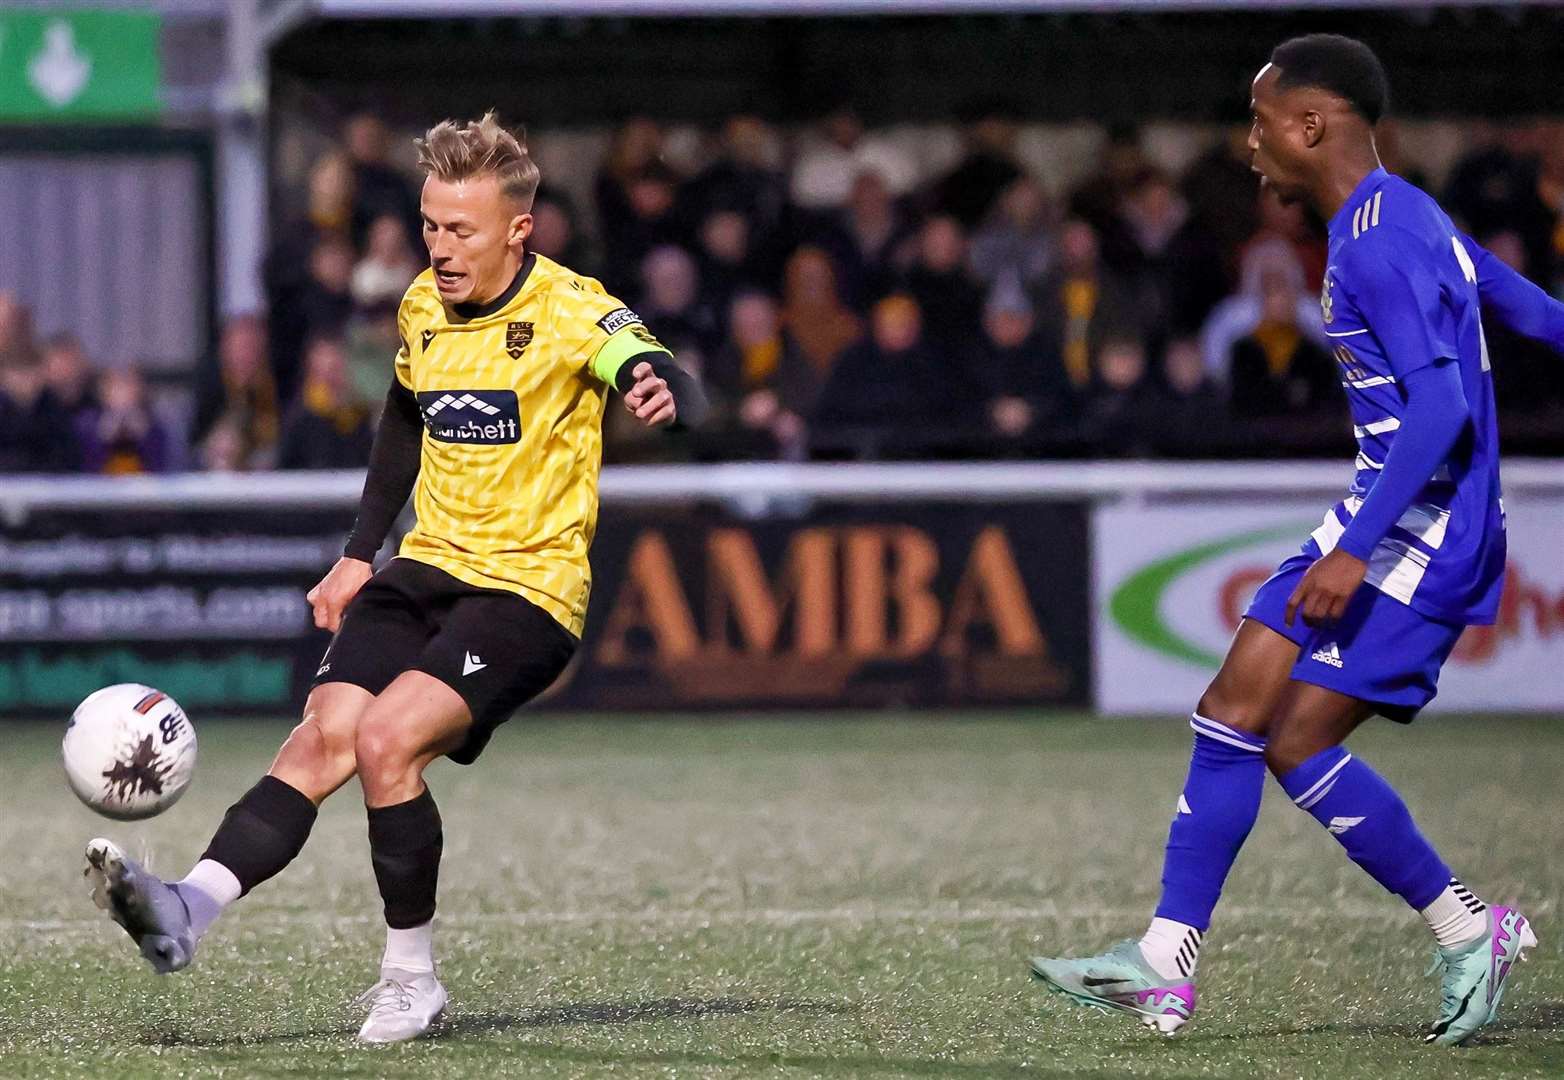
x=77 y=65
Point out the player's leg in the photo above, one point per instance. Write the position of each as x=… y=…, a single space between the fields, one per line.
x=494 y=652
x=265 y=830
x=1154 y=977
x=1477 y=944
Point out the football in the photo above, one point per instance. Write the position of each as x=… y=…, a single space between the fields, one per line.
x=129 y=751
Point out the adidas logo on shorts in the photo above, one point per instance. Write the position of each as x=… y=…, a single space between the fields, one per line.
x=1328 y=655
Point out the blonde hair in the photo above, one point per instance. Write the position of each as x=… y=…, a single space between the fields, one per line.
x=452 y=151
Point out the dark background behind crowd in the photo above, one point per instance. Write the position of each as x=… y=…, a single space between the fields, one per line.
x=841 y=299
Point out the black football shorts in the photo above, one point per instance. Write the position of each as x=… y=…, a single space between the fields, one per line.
x=491 y=646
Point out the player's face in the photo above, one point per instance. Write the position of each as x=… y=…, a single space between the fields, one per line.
x=1277 y=142
x=474 y=233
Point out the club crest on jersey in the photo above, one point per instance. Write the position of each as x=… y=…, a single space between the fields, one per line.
x=1325 y=300
x=617 y=319
x=518 y=335
x=471 y=416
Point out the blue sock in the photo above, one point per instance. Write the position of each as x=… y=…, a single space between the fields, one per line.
x=1217 y=809
x=1359 y=809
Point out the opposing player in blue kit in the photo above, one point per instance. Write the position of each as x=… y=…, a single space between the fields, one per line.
x=1361 y=620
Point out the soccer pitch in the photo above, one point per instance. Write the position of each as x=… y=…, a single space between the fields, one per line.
x=844 y=896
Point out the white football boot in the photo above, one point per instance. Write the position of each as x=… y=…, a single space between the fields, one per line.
x=402 y=1006
x=152 y=912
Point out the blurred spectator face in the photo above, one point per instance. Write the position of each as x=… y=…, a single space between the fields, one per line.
x=753 y=320
x=897 y=323
x=331 y=189
x=1154 y=199
x=21 y=380
x=242 y=352
x=635 y=146
x=672 y=281
x=470 y=228
x=1184 y=366
x=843 y=128
x=869 y=198
x=651 y=196
x=1078 y=246
x=1023 y=204
x=552 y=231
x=725 y=236
x=326 y=366
x=996 y=134
x=331 y=264
x=1278 y=300
x=15 y=325
x=1121 y=363
x=122 y=390
x=811 y=279
x=942 y=246
x=1122 y=158
x=747 y=140
x=223 y=450
x=1007 y=326
x=387 y=242
x=366 y=139
x=65 y=367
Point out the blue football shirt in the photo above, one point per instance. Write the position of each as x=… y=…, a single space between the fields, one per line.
x=1400 y=293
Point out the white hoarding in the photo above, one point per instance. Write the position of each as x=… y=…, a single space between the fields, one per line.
x=1171 y=582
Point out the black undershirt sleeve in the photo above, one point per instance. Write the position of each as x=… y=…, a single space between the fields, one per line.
x=689 y=400
x=393 y=469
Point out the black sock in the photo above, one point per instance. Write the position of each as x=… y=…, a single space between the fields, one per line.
x=404 y=844
x=262 y=832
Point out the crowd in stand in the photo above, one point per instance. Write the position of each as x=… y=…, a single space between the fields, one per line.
x=842 y=307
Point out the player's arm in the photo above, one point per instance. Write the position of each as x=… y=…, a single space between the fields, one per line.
x=655 y=388
x=1402 y=300
x=1520 y=304
x=393 y=470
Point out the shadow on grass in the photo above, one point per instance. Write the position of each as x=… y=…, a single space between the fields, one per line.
x=485 y=1023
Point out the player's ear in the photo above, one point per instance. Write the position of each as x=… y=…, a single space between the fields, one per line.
x=1313 y=128
x=520 y=229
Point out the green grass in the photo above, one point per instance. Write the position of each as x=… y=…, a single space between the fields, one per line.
x=852 y=896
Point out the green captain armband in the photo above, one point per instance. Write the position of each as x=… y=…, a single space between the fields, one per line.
x=634 y=340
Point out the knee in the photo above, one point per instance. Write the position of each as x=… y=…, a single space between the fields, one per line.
x=316 y=747
x=1290 y=745
x=382 y=747
x=1235 y=710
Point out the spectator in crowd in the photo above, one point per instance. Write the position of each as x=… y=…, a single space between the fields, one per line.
x=223 y=448
x=373 y=339
x=1540 y=215
x=16 y=326
x=832 y=159
x=1488 y=182
x=1293 y=224
x=1122 y=159
x=743 y=178
x=1077 y=299
x=120 y=435
x=1024 y=383
x=379 y=190
x=938 y=280
x=866 y=240
x=1193 y=417
x=388 y=266
x=636 y=196
x=1275 y=368
x=727 y=264
x=1016 y=239
x=246 y=396
x=35 y=430
x=1239 y=314
x=327 y=427
x=766 y=383
x=889 y=394
x=69 y=375
x=555 y=234
x=969 y=191
x=1528 y=379
x=1222 y=191
x=670 y=303
x=1168 y=258
x=288 y=272
x=812 y=310
x=1120 y=416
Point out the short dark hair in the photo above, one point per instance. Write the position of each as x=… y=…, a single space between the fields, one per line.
x=1344 y=66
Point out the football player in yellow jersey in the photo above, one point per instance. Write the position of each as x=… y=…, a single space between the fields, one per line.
x=494 y=424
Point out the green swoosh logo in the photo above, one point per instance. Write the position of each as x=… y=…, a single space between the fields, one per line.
x=1136 y=605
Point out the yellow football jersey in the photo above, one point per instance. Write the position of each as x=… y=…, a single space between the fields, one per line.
x=512 y=398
